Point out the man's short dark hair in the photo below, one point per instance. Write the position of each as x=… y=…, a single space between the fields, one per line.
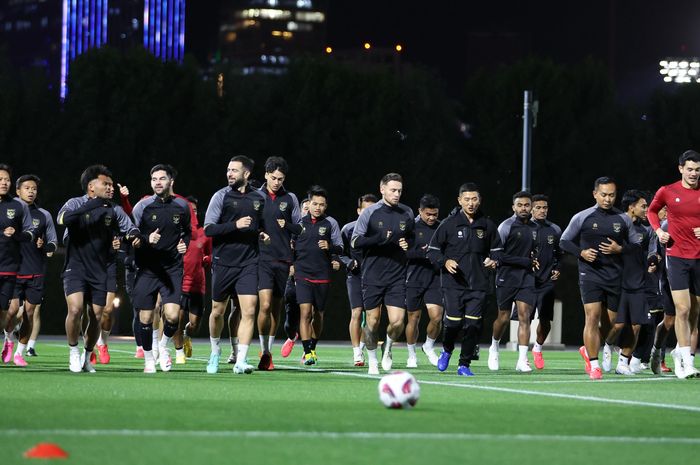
x=603 y=180
x=304 y=200
x=273 y=164
x=366 y=198
x=318 y=191
x=248 y=164
x=631 y=197
x=91 y=173
x=27 y=177
x=192 y=199
x=469 y=187
x=4 y=167
x=429 y=201
x=387 y=178
x=540 y=198
x=689 y=155
x=169 y=170
x=522 y=195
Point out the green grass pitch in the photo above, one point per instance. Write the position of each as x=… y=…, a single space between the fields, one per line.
x=331 y=414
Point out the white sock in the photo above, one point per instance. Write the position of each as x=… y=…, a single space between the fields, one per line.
x=494 y=343
x=372 y=355
x=74 y=350
x=148 y=356
x=522 y=353
x=20 y=349
x=263 y=343
x=100 y=341
x=215 y=349
x=31 y=343
x=242 y=353
x=411 y=350
x=429 y=343
x=270 y=342
x=10 y=336
x=636 y=360
x=7 y=335
x=180 y=352
x=362 y=346
x=105 y=336
x=594 y=364
x=537 y=347
x=687 y=358
x=607 y=347
x=356 y=351
x=388 y=343
x=622 y=360
x=163 y=344
x=155 y=337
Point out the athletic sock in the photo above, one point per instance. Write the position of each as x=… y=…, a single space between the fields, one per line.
x=623 y=359
x=687 y=358
x=242 y=353
x=429 y=343
x=100 y=341
x=594 y=363
x=307 y=345
x=635 y=360
x=184 y=330
x=154 y=337
x=494 y=343
x=411 y=350
x=147 y=336
x=31 y=344
x=20 y=349
x=356 y=351
x=180 y=352
x=263 y=344
x=522 y=353
x=388 y=343
x=234 y=344
x=148 y=356
x=270 y=342
x=10 y=336
x=314 y=341
x=537 y=347
x=215 y=349
x=169 y=329
x=362 y=346
x=73 y=350
x=372 y=356
x=163 y=344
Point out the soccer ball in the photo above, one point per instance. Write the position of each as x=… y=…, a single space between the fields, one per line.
x=399 y=390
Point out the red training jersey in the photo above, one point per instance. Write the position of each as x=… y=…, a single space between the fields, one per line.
x=683 y=214
x=198 y=256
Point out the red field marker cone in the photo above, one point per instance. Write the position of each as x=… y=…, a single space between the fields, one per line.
x=46 y=450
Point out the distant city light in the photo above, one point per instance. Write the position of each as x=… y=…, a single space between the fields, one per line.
x=329 y=50
x=367 y=46
x=399 y=47
x=680 y=70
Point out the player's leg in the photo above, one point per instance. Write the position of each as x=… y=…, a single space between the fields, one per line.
x=473 y=304
x=524 y=309
x=505 y=296
x=455 y=301
x=435 y=315
x=146 y=329
x=414 y=300
x=106 y=329
x=319 y=299
x=248 y=303
x=291 y=317
x=395 y=302
x=232 y=322
x=354 y=289
x=545 y=315
x=372 y=300
x=591 y=337
x=36 y=328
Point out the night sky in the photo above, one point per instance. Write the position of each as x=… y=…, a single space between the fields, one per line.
x=458 y=37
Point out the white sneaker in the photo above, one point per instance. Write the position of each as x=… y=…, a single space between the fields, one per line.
x=87 y=366
x=691 y=372
x=75 y=363
x=149 y=366
x=412 y=362
x=678 y=364
x=430 y=353
x=373 y=368
x=493 y=358
x=607 y=358
x=636 y=366
x=387 y=360
x=625 y=370
x=164 y=360
x=358 y=359
x=243 y=367
x=523 y=366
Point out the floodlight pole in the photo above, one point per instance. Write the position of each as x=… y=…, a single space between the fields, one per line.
x=527 y=140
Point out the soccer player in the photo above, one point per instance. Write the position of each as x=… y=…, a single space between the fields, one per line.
x=597 y=236
x=29 y=288
x=275 y=259
x=164 y=221
x=515 y=279
x=548 y=256
x=352 y=259
x=314 y=245
x=17 y=227
x=234 y=221
x=92 y=223
x=682 y=242
x=423 y=283
x=194 y=286
x=382 y=232
x=633 y=311
x=664 y=328
x=465 y=247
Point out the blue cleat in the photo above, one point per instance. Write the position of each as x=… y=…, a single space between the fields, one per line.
x=444 y=360
x=464 y=371
x=213 y=364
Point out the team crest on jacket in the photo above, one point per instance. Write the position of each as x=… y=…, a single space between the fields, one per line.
x=402 y=225
x=550 y=239
x=534 y=235
x=176 y=219
x=380 y=224
x=322 y=230
x=480 y=233
x=617 y=227
x=36 y=222
x=460 y=234
x=256 y=205
x=283 y=206
x=10 y=213
x=154 y=217
x=595 y=225
x=108 y=220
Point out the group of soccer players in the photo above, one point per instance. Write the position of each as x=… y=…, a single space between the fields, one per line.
x=269 y=251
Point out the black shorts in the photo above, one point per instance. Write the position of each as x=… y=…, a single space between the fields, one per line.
x=505 y=296
x=7 y=289
x=233 y=280
x=290 y=291
x=315 y=294
x=633 y=308
x=608 y=294
x=544 y=302
x=669 y=306
x=148 y=285
x=29 y=289
x=273 y=275
x=94 y=290
x=655 y=302
x=192 y=302
x=112 y=277
x=683 y=273
x=463 y=306
x=393 y=295
x=415 y=296
x=354 y=286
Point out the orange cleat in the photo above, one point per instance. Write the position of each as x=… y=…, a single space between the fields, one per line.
x=586 y=360
x=596 y=373
x=104 y=354
x=539 y=360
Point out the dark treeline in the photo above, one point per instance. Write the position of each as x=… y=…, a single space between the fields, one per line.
x=343 y=126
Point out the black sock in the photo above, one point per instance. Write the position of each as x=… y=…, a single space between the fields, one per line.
x=136 y=327
x=307 y=346
x=169 y=328
x=313 y=343
x=593 y=358
x=470 y=340
x=147 y=336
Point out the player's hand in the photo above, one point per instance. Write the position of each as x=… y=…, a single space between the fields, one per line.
x=403 y=243
x=589 y=255
x=49 y=254
x=323 y=244
x=353 y=264
x=136 y=243
x=181 y=247
x=264 y=237
x=335 y=264
x=451 y=266
x=154 y=237
x=9 y=231
x=651 y=269
x=555 y=275
x=242 y=223
x=123 y=190
x=535 y=264
x=696 y=231
x=490 y=263
x=281 y=222
x=39 y=243
x=116 y=243
x=610 y=248
x=291 y=271
x=663 y=236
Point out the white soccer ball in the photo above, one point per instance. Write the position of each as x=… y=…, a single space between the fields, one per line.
x=399 y=390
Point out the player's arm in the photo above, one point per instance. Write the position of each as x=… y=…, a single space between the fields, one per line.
x=212 y=217
x=361 y=236
x=495 y=246
x=72 y=211
x=126 y=227
x=657 y=203
x=295 y=226
x=437 y=245
x=345 y=257
x=27 y=233
x=51 y=242
x=569 y=241
x=336 y=241
x=507 y=259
